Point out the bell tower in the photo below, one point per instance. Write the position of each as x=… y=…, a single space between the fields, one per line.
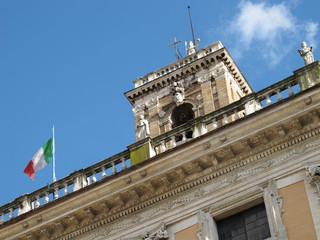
x=191 y=87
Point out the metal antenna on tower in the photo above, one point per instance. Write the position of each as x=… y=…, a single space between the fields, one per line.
x=189 y=11
x=175 y=42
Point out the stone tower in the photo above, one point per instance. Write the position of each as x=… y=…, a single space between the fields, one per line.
x=193 y=86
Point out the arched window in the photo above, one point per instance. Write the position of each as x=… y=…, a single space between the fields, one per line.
x=182 y=114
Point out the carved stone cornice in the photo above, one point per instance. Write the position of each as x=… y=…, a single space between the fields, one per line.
x=212 y=58
x=203 y=177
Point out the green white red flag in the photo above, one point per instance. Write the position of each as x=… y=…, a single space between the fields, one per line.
x=40 y=159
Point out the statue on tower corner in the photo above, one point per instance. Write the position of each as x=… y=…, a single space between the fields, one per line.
x=306 y=53
x=192 y=47
x=143 y=130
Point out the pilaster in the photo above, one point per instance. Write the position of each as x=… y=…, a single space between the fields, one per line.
x=207 y=93
x=223 y=88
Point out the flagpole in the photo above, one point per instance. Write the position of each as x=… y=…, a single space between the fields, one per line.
x=53 y=156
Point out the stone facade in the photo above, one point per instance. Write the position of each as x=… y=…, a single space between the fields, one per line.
x=242 y=152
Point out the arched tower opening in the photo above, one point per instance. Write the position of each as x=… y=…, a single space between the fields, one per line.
x=182 y=114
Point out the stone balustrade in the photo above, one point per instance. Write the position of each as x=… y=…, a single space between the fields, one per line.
x=245 y=106
x=75 y=181
x=100 y=171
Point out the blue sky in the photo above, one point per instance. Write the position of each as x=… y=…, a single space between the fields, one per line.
x=68 y=63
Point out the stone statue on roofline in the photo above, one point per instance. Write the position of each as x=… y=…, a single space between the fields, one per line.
x=192 y=47
x=143 y=130
x=306 y=53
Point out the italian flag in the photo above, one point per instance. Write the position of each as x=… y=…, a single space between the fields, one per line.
x=40 y=159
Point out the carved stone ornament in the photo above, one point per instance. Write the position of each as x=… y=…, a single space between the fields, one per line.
x=139 y=109
x=177 y=90
x=152 y=103
x=162 y=113
x=161 y=234
x=199 y=97
x=204 y=78
x=313 y=176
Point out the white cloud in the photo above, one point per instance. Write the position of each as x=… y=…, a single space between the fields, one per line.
x=311 y=31
x=262 y=22
x=266 y=28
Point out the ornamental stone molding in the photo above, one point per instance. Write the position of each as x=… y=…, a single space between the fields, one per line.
x=273 y=202
x=222 y=179
x=178 y=195
x=178 y=92
x=152 y=102
x=313 y=176
x=139 y=110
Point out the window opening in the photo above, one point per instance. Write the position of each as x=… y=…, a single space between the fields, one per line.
x=182 y=114
x=251 y=224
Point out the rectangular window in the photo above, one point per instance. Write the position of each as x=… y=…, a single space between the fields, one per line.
x=251 y=224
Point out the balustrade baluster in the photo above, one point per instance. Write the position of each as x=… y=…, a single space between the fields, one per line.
x=66 y=190
x=103 y=174
x=123 y=164
x=236 y=114
x=47 y=199
x=184 y=136
x=38 y=202
x=279 y=97
x=56 y=193
x=1 y=218
x=32 y=205
x=94 y=178
x=114 y=170
x=11 y=213
x=173 y=141
x=204 y=129
x=214 y=124
x=290 y=92
x=225 y=119
x=268 y=101
x=163 y=146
